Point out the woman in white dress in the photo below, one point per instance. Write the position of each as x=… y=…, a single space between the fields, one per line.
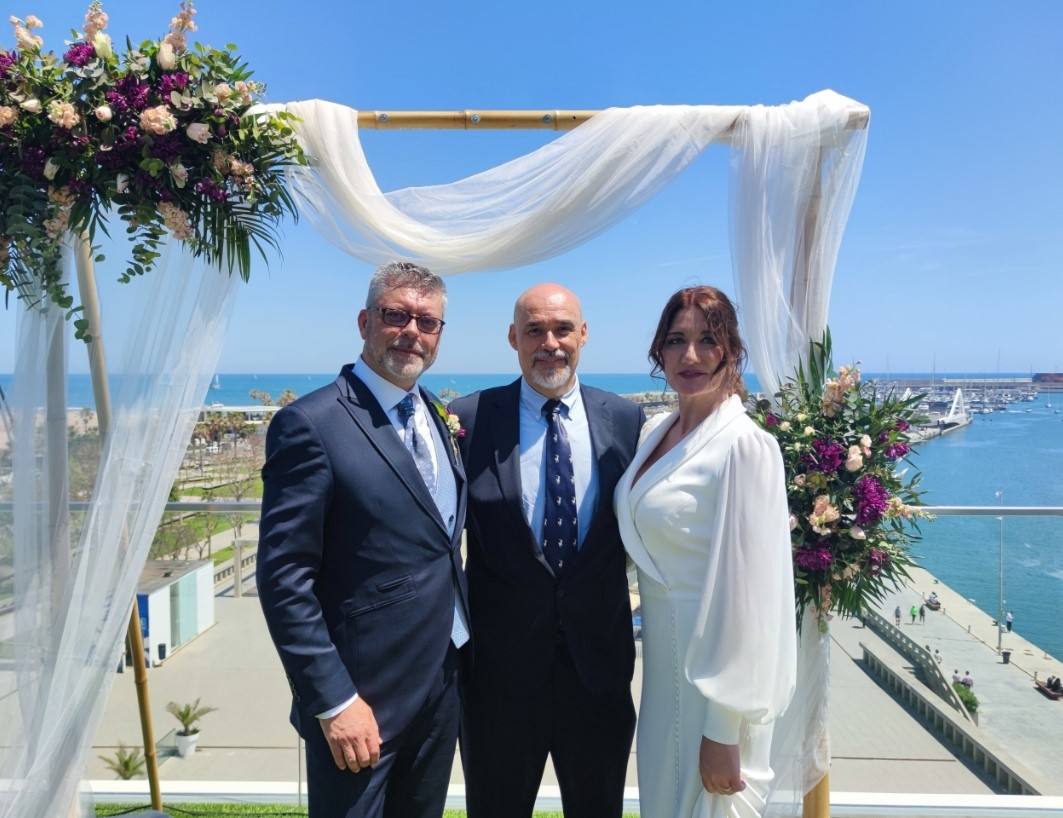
x=703 y=514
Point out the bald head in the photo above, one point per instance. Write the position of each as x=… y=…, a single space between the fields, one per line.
x=544 y=296
x=548 y=332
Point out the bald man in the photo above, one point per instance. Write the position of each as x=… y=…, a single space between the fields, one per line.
x=548 y=598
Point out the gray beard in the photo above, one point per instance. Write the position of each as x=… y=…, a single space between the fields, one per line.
x=551 y=380
x=405 y=369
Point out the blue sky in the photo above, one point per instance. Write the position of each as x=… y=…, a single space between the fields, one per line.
x=954 y=248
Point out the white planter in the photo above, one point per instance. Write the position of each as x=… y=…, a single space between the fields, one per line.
x=186 y=745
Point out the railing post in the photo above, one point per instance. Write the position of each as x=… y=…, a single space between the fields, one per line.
x=238 y=568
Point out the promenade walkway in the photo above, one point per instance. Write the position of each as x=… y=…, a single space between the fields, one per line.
x=878 y=746
x=1018 y=718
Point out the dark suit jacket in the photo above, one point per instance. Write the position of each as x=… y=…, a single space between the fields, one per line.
x=356 y=570
x=519 y=609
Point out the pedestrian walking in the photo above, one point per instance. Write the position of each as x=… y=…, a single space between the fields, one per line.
x=922 y=614
x=1009 y=620
x=897 y=615
x=914 y=612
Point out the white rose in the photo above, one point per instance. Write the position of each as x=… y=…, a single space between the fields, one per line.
x=809 y=431
x=50 y=169
x=855 y=461
x=793 y=521
x=222 y=91
x=166 y=58
x=802 y=417
x=198 y=132
x=180 y=174
x=102 y=43
x=122 y=182
x=33 y=105
x=785 y=426
x=857 y=533
x=104 y=113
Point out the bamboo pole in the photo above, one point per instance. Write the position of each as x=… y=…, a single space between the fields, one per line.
x=817 y=800
x=90 y=300
x=503 y=120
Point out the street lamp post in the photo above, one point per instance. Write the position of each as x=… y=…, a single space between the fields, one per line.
x=1000 y=572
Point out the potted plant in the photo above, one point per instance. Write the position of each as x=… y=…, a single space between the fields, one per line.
x=125 y=763
x=188 y=715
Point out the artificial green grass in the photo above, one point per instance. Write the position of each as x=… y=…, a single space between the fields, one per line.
x=276 y=810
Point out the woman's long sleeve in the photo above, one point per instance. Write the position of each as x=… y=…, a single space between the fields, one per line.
x=742 y=656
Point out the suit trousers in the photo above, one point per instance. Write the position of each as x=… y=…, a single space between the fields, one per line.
x=411 y=779
x=505 y=743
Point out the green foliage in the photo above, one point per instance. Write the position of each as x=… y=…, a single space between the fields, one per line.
x=171 y=148
x=853 y=511
x=188 y=715
x=967 y=697
x=125 y=763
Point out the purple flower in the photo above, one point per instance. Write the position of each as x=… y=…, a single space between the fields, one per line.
x=827 y=456
x=877 y=559
x=895 y=451
x=771 y=420
x=211 y=190
x=813 y=558
x=7 y=59
x=166 y=147
x=902 y=426
x=80 y=54
x=33 y=162
x=117 y=101
x=872 y=499
x=136 y=93
x=177 y=81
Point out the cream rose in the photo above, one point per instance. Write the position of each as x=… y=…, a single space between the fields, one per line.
x=31 y=105
x=158 y=120
x=104 y=113
x=198 y=132
x=785 y=426
x=102 y=43
x=63 y=114
x=50 y=169
x=855 y=461
x=8 y=116
x=167 y=57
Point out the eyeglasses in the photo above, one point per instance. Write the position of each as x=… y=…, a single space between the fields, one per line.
x=393 y=317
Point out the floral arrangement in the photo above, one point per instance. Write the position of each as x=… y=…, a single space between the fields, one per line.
x=854 y=511
x=163 y=134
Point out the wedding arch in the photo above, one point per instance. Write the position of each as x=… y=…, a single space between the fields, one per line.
x=795 y=170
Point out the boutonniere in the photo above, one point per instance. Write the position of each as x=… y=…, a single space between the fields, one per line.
x=451 y=421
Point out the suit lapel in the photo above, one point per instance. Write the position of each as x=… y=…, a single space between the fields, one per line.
x=600 y=423
x=370 y=417
x=505 y=437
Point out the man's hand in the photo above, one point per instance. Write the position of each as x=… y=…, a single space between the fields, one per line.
x=721 y=773
x=353 y=737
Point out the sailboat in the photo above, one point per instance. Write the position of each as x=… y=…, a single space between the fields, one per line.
x=216 y=383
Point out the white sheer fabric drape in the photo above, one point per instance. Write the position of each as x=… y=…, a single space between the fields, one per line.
x=71 y=605
x=794 y=177
x=795 y=172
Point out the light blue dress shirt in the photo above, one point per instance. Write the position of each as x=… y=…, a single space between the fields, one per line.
x=532 y=450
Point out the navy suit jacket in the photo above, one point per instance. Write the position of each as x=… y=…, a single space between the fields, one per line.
x=356 y=570
x=519 y=609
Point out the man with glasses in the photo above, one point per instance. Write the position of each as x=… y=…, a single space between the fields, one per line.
x=548 y=591
x=359 y=569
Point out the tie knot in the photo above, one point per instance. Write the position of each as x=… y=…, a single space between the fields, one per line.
x=551 y=409
x=405 y=407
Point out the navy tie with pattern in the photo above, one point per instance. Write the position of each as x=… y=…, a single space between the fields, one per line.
x=560 y=522
x=417 y=446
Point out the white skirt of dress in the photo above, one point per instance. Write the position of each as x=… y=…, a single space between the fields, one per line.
x=671 y=715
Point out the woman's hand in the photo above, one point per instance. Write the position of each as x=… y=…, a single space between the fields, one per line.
x=721 y=773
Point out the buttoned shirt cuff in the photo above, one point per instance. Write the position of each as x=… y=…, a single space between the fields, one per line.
x=335 y=711
x=721 y=724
